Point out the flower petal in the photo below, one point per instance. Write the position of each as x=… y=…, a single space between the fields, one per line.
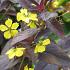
x=14 y=25
x=22 y=17
x=31 y=68
x=19 y=52
x=25 y=19
x=8 y=22
x=26 y=67
x=14 y=32
x=7 y=34
x=3 y=28
x=39 y=48
x=10 y=53
x=24 y=11
x=19 y=16
x=46 y=42
x=33 y=16
x=32 y=25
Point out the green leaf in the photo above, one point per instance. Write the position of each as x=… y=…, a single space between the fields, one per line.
x=66 y=17
x=1 y=16
x=67 y=28
x=66 y=20
x=61 y=2
x=54 y=37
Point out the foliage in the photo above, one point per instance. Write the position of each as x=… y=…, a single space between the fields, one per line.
x=66 y=17
x=34 y=33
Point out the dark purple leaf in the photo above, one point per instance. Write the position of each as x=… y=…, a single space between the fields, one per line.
x=55 y=55
x=5 y=63
x=24 y=35
x=27 y=3
x=40 y=65
x=55 y=27
x=4 y=5
x=42 y=33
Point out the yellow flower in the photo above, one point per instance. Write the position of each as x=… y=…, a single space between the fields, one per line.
x=22 y=15
x=40 y=47
x=18 y=52
x=24 y=11
x=32 y=25
x=33 y=16
x=27 y=68
x=9 y=29
x=55 y=4
x=26 y=16
x=46 y=42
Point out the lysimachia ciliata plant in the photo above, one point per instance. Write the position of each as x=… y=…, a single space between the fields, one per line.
x=34 y=34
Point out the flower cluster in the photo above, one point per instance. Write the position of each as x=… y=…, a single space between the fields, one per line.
x=18 y=52
x=10 y=30
x=27 y=17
